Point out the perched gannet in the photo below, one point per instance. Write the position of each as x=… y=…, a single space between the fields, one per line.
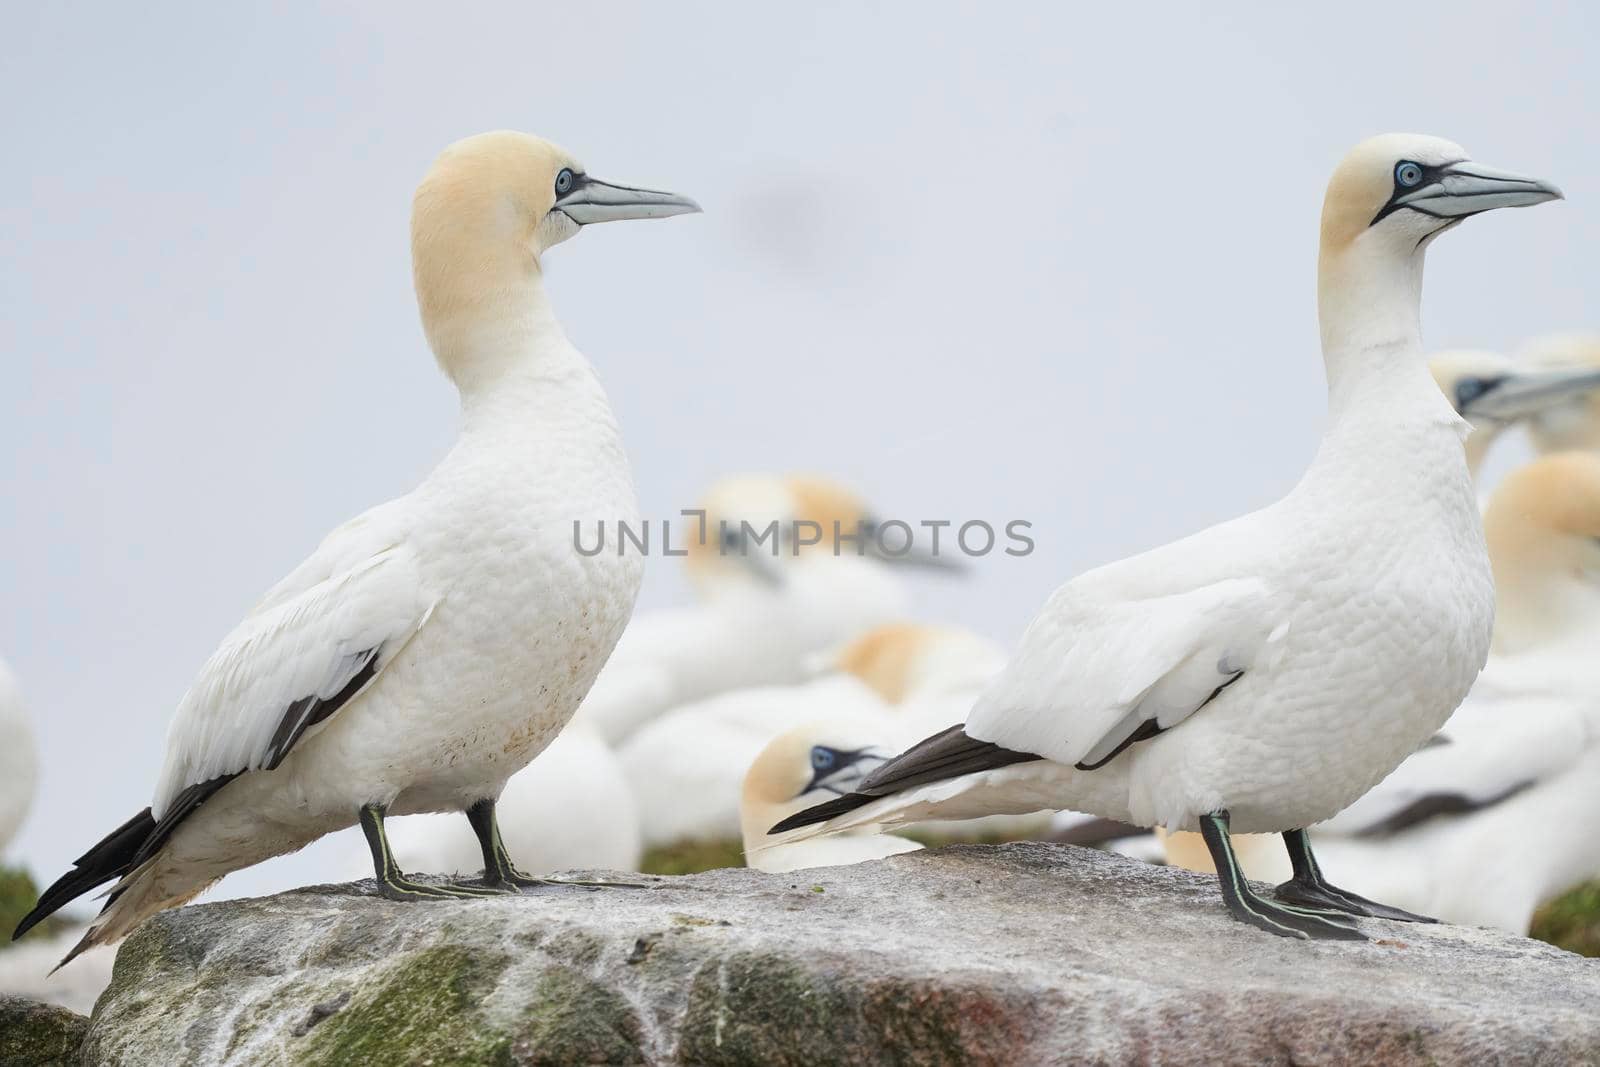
x=685 y=767
x=1493 y=393
x=1476 y=828
x=1265 y=673
x=799 y=768
x=19 y=761
x=768 y=601
x=1574 y=424
x=572 y=808
x=430 y=648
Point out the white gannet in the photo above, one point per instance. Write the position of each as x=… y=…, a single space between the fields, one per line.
x=1574 y=423
x=797 y=769
x=685 y=767
x=767 y=603
x=432 y=647
x=1264 y=673
x=572 y=808
x=1494 y=393
x=1476 y=828
x=19 y=758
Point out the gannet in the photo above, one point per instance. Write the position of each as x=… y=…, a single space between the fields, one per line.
x=685 y=767
x=1476 y=827
x=1261 y=675
x=433 y=646
x=572 y=808
x=19 y=761
x=798 y=768
x=1494 y=393
x=766 y=606
x=1574 y=424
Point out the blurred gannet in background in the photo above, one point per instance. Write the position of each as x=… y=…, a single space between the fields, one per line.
x=572 y=808
x=1263 y=674
x=930 y=675
x=1477 y=828
x=432 y=647
x=767 y=606
x=1493 y=394
x=799 y=768
x=19 y=759
x=1574 y=424
x=685 y=768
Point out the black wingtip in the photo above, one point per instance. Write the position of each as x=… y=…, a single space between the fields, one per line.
x=828 y=809
x=111 y=858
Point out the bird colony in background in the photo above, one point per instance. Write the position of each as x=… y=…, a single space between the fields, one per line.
x=1296 y=672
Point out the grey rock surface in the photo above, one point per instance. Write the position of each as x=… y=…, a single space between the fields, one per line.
x=35 y=1034
x=1013 y=954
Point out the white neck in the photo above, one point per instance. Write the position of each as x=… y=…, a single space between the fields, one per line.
x=1392 y=439
x=505 y=351
x=1369 y=306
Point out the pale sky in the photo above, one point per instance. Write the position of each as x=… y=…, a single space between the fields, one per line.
x=1046 y=261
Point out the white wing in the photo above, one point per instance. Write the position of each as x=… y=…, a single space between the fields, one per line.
x=1098 y=672
x=1503 y=739
x=292 y=663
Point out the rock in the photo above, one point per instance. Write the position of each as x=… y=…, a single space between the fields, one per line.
x=33 y=1034
x=1013 y=954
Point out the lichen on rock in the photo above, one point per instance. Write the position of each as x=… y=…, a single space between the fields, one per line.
x=39 y=1035
x=1014 y=954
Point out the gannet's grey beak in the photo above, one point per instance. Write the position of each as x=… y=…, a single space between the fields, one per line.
x=764 y=565
x=1524 y=395
x=1457 y=190
x=590 y=201
x=914 y=554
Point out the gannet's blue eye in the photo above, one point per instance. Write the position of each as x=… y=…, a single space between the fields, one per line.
x=822 y=758
x=564 y=181
x=1407 y=173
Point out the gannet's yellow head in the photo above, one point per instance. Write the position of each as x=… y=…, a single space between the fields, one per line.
x=757 y=525
x=805 y=766
x=1571 y=417
x=491 y=205
x=1543 y=529
x=1399 y=190
x=1547 y=515
x=896 y=659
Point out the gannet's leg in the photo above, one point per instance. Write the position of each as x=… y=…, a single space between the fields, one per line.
x=500 y=872
x=392 y=883
x=1246 y=906
x=1308 y=886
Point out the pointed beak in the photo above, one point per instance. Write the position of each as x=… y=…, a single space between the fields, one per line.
x=1522 y=396
x=914 y=553
x=590 y=201
x=1468 y=188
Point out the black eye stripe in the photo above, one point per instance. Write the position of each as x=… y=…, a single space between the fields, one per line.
x=1429 y=175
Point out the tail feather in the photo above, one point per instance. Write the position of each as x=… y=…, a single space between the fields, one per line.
x=946 y=755
x=127 y=848
x=110 y=859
